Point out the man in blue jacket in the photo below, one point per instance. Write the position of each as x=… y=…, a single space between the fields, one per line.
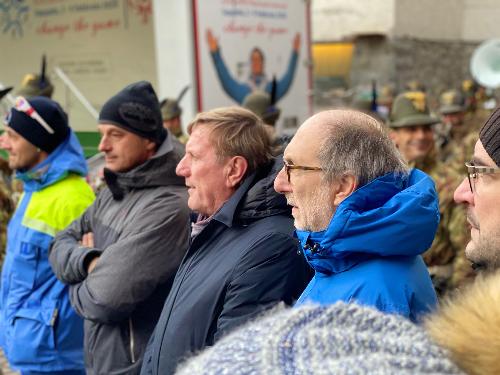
x=242 y=258
x=39 y=331
x=361 y=216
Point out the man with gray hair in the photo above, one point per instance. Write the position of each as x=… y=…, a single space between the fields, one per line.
x=361 y=216
x=242 y=258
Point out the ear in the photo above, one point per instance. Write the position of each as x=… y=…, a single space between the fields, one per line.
x=150 y=145
x=235 y=170
x=343 y=187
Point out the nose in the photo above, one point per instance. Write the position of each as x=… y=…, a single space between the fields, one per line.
x=183 y=168
x=281 y=184
x=462 y=194
x=104 y=144
x=420 y=132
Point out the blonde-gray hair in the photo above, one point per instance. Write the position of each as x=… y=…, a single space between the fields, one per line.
x=236 y=131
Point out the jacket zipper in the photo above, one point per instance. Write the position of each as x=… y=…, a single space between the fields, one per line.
x=132 y=344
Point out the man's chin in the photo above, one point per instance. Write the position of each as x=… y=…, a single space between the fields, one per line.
x=479 y=256
x=298 y=225
x=419 y=156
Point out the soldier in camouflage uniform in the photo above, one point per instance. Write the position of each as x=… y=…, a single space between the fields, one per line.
x=36 y=85
x=6 y=203
x=451 y=131
x=261 y=104
x=171 y=112
x=412 y=132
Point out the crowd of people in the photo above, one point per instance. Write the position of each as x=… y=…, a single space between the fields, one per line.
x=347 y=248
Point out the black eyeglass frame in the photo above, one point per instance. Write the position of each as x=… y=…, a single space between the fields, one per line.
x=289 y=167
x=474 y=170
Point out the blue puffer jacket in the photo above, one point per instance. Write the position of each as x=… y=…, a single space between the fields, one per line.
x=370 y=252
x=39 y=331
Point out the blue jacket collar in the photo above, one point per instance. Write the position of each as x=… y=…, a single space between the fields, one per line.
x=394 y=215
x=66 y=158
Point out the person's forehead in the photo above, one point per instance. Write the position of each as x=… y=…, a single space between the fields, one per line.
x=200 y=137
x=106 y=127
x=413 y=128
x=306 y=143
x=481 y=157
x=10 y=131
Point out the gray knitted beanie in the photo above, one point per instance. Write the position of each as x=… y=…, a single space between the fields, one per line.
x=490 y=136
x=337 y=339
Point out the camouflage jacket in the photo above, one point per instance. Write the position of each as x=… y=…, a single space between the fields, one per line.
x=6 y=204
x=446 y=258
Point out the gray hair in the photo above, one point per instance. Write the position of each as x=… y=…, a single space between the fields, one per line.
x=356 y=143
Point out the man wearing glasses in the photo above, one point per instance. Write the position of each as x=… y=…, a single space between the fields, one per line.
x=361 y=216
x=39 y=331
x=480 y=194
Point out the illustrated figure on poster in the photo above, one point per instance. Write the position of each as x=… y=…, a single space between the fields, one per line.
x=258 y=79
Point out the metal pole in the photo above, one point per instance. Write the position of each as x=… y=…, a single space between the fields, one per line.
x=76 y=92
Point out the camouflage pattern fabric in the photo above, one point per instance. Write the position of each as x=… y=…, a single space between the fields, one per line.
x=6 y=204
x=460 y=142
x=446 y=257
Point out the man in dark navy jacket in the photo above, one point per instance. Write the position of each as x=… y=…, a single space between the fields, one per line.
x=243 y=258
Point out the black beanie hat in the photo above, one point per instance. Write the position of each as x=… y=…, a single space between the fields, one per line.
x=34 y=130
x=490 y=136
x=136 y=109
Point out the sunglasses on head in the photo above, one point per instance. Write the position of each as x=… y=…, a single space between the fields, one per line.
x=22 y=105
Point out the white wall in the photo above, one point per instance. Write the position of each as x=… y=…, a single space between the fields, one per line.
x=175 y=53
x=429 y=19
x=335 y=20
x=481 y=20
x=102 y=45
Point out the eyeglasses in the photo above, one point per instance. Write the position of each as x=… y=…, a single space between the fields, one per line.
x=473 y=171
x=22 y=105
x=289 y=167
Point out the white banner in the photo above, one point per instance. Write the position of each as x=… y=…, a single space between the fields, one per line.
x=243 y=44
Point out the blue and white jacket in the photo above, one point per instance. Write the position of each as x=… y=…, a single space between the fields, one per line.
x=39 y=330
x=370 y=252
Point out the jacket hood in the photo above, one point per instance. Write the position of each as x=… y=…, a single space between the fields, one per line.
x=393 y=215
x=157 y=171
x=261 y=200
x=66 y=158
